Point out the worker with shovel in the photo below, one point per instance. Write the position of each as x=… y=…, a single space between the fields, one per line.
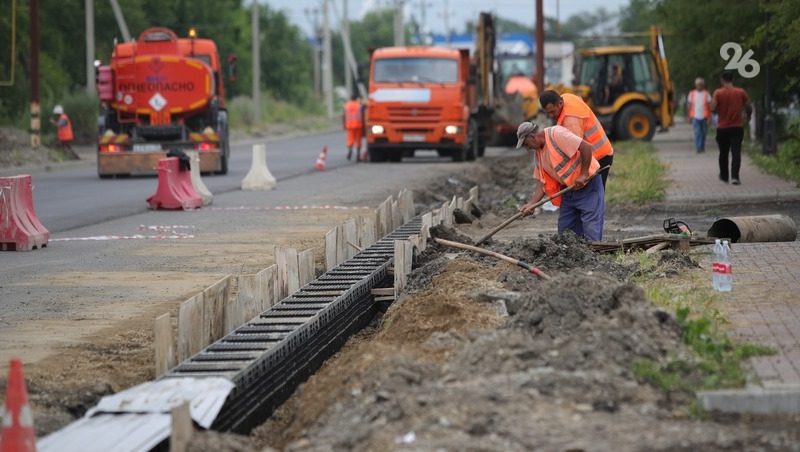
x=562 y=159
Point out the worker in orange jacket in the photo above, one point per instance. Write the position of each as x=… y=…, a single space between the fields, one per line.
x=562 y=159
x=353 y=123
x=64 y=126
x=571 y=111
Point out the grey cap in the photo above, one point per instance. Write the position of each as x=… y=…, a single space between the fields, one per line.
x=525 y=129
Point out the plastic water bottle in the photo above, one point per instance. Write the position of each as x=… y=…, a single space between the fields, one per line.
x=716 y=264
x=726 y=270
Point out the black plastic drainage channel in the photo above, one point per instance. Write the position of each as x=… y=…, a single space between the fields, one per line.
x=268 y=357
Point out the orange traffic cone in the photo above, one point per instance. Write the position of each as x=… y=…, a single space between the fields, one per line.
x=319 y=165
x=17 y=434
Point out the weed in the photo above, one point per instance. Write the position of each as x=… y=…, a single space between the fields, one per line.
x=713 y=361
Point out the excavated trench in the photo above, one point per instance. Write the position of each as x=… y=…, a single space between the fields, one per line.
x=478 y=355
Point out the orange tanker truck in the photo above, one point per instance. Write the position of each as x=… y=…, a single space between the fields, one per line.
x=158 y=93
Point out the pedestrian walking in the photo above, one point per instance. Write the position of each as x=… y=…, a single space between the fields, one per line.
x=571 y=111
x=562 y=159
x=730 y=103
x=353 y=123
x=64 y=127
x=698 y=111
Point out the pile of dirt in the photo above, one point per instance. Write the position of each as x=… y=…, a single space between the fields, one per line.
x=15 y=150
x=504 y=184
x=555 y=376
x=561 y=253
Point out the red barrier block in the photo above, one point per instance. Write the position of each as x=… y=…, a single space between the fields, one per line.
x=20 y=228
x=175 y=189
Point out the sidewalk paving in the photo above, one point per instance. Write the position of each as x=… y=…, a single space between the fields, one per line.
x=763 y=306
x=695 y=177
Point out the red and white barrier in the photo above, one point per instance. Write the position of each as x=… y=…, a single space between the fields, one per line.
x=175 y=190
x=20 y=229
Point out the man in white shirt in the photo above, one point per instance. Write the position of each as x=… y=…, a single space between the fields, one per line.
x=698 y=110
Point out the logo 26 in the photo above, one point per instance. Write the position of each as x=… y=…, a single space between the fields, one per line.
x=746 y=65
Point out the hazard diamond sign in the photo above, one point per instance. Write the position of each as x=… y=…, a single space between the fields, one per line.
x=157 y=102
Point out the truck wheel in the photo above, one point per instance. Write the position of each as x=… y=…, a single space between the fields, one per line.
x=376 y=155
x=225 y=148
x=481 y=146
x=636 y=122
x=472 y=146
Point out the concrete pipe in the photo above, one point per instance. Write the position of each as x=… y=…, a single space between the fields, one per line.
x=765 y=228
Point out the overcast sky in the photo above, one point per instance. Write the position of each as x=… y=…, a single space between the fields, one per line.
x=460 y=10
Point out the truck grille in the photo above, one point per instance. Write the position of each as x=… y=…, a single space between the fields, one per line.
x=414 y=114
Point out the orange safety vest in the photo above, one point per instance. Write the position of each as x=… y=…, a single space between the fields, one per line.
x=64 y=131
x=352 y=115
x=593 y=131
x=566 y=167
x=706 y=100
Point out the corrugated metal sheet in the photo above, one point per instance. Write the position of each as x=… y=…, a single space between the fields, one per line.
x=137 y=419
x=205 y=396
x=107 y=432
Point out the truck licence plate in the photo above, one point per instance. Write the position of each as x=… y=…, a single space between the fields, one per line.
x=413 y=137
x=147 y=147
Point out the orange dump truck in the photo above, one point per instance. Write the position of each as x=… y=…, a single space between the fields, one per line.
x=417 y=100
x=158 y=93
x=431 y=98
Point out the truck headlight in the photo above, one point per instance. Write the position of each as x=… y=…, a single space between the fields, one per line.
x=451 y=129
x=377 y=129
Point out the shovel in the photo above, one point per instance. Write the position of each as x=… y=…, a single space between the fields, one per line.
x=502 y=257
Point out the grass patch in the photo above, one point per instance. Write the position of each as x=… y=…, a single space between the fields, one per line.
x=637 y=175
x=713 y=361
x=784 y=164
x=710 y=359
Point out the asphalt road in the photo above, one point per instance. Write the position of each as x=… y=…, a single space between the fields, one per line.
x=72 y=198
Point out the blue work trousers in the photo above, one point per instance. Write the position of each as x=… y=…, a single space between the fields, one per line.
x=583 y=211
x=700 y=127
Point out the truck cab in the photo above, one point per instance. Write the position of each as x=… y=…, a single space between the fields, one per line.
x=419 y=98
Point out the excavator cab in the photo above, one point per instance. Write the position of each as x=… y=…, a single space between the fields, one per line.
x=628 y=88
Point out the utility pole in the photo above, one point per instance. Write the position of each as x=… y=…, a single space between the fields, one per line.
x=312 y=14
x=349 y=58
x=256 y=44
x=90 y=47
x=123 y=26
x=327 y=64
x=36 y=113
x=348 y=76
x=446 y=17
x=539 y=46
x=399 y=25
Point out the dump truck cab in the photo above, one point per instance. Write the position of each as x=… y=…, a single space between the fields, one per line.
x=418 y=99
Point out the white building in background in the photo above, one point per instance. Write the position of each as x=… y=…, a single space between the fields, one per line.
x=559 y=60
